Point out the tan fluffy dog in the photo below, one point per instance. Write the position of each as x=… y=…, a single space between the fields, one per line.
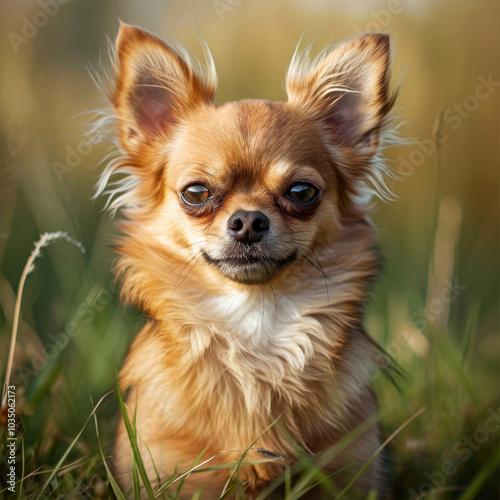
x=247 y=245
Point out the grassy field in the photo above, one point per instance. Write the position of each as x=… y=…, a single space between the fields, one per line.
x=435 y=309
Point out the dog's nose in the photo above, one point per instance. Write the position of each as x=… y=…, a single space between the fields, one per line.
x=247 y=227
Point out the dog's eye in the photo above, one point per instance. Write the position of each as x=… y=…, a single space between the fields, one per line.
x=196 y=194
x=302 y=193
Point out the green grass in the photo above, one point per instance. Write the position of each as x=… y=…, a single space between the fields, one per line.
x=437 y=423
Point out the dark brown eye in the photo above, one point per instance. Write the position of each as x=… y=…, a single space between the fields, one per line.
x=195 y=194
x=302 y=193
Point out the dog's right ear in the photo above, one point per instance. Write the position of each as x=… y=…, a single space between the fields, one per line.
x=156 y=85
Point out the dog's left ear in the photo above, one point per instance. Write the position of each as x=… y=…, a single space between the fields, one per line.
x=347 y=89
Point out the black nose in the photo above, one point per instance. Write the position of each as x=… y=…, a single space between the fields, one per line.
x=247 y=227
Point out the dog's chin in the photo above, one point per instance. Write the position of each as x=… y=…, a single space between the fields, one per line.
x=251 y=270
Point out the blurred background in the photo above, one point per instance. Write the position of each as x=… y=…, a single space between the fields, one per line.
x=435 y=309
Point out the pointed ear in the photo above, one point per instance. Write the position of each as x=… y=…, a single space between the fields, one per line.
x=156 y=85
x=347 y=88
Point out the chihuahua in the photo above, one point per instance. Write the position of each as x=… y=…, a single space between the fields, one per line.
x=247 y=244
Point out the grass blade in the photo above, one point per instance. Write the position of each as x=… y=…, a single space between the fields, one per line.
x=70 y=447
x=135 y=480
x=238 y=463
x=45 y=239
x=480 y=478
x=470 y=330
x=183 y=479
x=379 y=449
x=132 y=435
x=334 y=450
x=288 y=481
x=447 y=352
x=116 y=489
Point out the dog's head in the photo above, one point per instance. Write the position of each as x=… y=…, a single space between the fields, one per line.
x=252 y=187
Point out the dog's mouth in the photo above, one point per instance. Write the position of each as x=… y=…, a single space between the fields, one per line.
x=249 y=267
